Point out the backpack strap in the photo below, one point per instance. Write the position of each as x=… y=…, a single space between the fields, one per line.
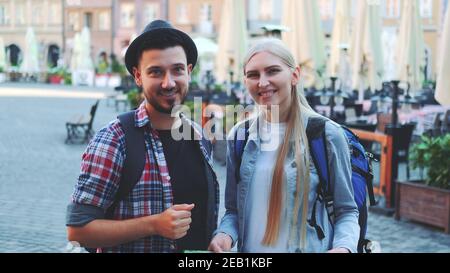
x=368 y=175
x=134 y=162
x=315 y=132
x=240 y=140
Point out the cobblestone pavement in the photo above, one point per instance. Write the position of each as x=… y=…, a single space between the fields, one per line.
x=38 y=172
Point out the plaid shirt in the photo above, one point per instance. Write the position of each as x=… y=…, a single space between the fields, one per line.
x=100 y=176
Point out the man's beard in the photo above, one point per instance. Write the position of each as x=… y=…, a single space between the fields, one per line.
x=158 y=107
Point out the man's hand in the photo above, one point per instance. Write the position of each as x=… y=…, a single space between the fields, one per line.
x=221 y=243
x=174 y=222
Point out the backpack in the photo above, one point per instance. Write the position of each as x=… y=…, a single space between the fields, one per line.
x=133 y=165
x=362 y=175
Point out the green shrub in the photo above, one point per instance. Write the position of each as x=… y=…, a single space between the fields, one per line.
x=434 y=155
x=134 y=97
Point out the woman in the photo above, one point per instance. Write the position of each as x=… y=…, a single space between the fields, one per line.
x=268 y=205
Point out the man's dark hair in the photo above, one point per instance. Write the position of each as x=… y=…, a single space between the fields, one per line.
x=162 y=42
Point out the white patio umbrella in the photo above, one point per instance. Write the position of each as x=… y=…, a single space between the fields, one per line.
x=84 y=58
x=232 y=40
x=305 y=38
x=30 y=63
x=410 y=53
x=76 y=45
x=207 y=50
x=205 y=47
x=2 y=54
x=366 y=50
x=443 y=80
x=340 y=36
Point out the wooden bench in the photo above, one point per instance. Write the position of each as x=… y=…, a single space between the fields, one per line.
x=80 y=128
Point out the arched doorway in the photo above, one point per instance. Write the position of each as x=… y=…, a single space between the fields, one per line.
x=53 y=55
x=14 y=55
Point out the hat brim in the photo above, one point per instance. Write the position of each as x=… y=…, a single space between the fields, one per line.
x=131 y=56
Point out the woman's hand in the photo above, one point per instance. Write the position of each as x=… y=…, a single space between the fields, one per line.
x=339 y=250
x=221 y=243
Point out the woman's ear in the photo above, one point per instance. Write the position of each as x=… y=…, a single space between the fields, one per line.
x=296 y=76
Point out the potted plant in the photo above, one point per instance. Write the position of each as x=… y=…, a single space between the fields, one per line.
x=2 y=75
x=118 y=71
x=427 y=201
x=56 y=75
x=135 y=98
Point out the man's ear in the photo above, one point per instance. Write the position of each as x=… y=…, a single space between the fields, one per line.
x=296 y=76
x=137 y=76
x=189 y=70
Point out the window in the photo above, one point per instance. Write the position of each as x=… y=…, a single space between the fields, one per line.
x=151 y=12
x=391 y=8
x=74 y=21
x=127 y=15
x=55 y=13
x=206 y=12
x=87 y=20
x=205 y=25
x=4 y=14
x=426 y=9
x=20 y=13
x=265 y=12
x=182 y=14
x=37 y=13
x=104 y=20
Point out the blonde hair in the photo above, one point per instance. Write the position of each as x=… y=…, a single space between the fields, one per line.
x=295 y=138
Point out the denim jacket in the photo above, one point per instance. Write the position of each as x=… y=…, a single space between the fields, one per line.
x=345 y=230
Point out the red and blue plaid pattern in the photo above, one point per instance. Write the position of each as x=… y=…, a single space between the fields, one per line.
x=100 y=176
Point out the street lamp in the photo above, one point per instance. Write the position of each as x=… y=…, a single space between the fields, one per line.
x=394 y=130
x=332 y=102
x=326 y=96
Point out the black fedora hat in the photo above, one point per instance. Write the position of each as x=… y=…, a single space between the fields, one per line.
x=156 y=31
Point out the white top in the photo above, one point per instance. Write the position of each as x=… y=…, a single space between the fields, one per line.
x=259 y=194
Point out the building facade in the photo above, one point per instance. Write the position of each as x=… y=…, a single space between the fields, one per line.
x=197 y=17
x=114 y=23
x=131 y=17
x=94 y=14
x=46 y=19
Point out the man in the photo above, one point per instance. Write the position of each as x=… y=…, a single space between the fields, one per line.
x=173 y=207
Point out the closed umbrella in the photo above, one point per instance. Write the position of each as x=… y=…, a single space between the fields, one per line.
x=2 y=54
x=85 y=60
x=305 y=38
x=340 y=36
x=443 y=80
x=82 y=65
x=30 y=63
x=410 y=51
x=232 y=40
x=76 y=45
x=365 y=50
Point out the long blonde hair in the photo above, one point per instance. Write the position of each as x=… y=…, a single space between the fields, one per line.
x=294 y=138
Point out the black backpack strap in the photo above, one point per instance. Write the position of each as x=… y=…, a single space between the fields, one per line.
x=134 y=162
